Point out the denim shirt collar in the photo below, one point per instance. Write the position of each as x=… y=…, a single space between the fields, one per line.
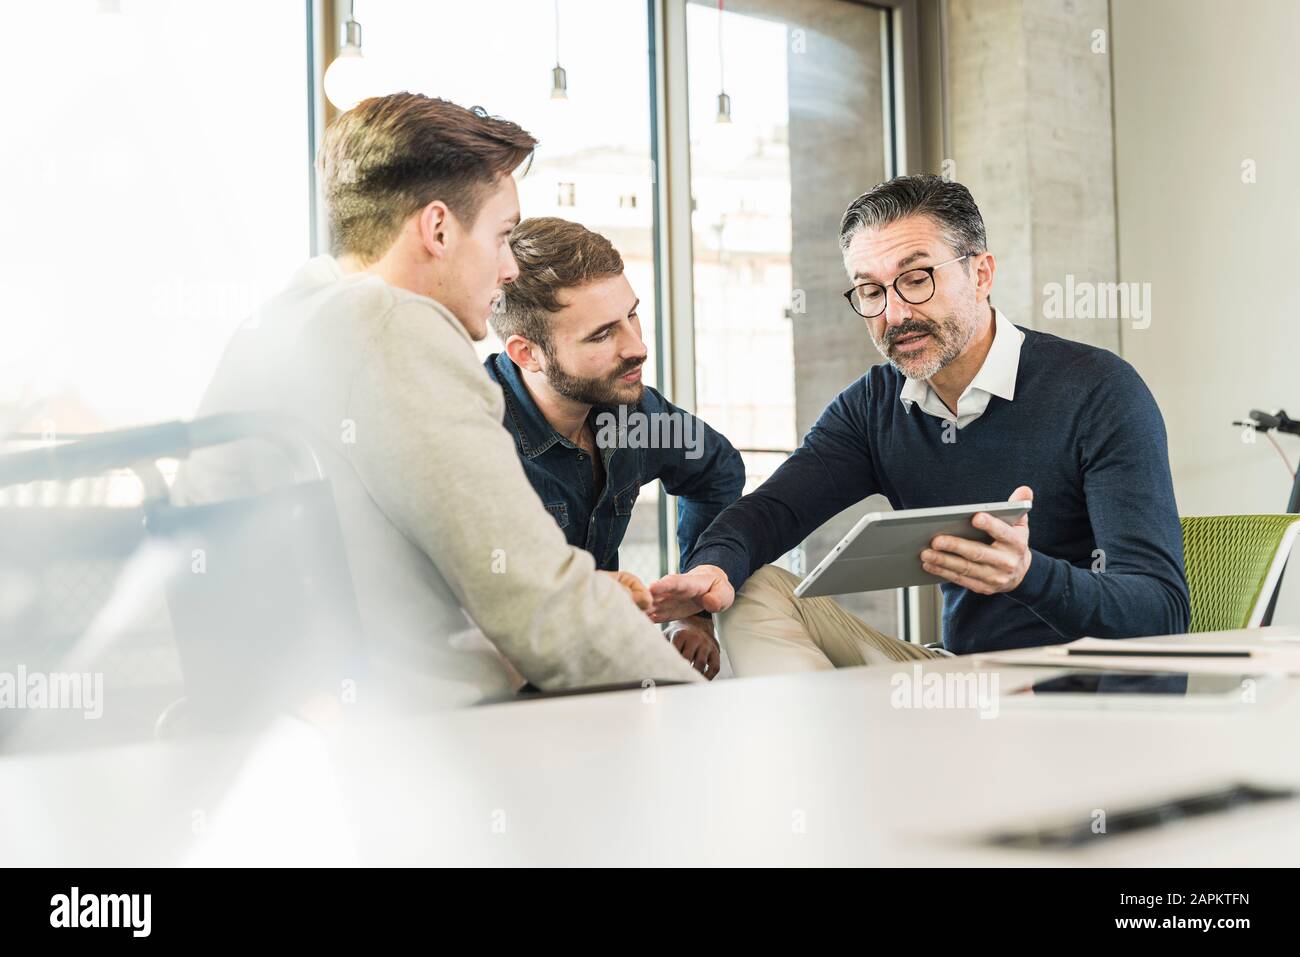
x=533 y=433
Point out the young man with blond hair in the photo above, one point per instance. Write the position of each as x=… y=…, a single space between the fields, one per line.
x=371 y=349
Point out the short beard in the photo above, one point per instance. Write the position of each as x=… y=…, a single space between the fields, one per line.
x=949 y=336
x=606 y=390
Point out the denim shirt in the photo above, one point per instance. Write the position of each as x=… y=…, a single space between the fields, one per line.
x=706 y=477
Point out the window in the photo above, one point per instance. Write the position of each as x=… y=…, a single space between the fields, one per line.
x=155 y=189
x=802 y=130
x=178 y=182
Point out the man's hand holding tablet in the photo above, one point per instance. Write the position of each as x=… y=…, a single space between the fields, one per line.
x=985 y=569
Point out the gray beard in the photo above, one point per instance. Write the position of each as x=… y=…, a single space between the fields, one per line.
x=948 y=338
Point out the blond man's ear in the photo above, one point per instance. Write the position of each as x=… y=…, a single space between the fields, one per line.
x=431 y=223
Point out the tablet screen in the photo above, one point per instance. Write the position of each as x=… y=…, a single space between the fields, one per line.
x=1135 y=682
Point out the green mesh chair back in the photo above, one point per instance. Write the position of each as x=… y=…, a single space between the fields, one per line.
x=1234 y=564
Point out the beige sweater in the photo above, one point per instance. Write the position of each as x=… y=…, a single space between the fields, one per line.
x=436 y=512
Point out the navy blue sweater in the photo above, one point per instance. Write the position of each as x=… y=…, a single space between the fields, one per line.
x=1083 y=432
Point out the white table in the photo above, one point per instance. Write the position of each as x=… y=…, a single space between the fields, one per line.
x=799 y=769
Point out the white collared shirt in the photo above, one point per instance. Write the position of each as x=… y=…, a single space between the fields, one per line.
x=997 y=376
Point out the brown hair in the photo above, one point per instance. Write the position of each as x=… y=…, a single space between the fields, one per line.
x=552 y=254
x=390 y=156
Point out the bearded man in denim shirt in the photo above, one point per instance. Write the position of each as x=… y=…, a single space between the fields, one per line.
x=589 y=432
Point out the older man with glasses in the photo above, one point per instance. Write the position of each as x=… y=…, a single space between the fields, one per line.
x=968 y=408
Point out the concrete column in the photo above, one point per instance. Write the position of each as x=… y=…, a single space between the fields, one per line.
x=1029 y=93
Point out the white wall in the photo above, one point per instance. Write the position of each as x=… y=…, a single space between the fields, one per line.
x=1200 y=88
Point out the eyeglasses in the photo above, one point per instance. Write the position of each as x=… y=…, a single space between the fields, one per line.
x=913 y=287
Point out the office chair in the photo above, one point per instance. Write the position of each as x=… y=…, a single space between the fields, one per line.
x=1234 y=567
x=260 y=596
x=66 y=549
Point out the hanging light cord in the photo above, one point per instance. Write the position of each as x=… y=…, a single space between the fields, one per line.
x=557 y=32
x=722 y=76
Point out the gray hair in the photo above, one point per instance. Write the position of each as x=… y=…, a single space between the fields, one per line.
x=947 y=203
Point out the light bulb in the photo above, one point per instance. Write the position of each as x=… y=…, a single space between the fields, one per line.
x=349 y=79
x=559 y=83
x=724 y=108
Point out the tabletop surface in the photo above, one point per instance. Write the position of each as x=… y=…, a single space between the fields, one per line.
x=821 y=768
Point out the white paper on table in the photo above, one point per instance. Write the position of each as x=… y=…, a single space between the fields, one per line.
x=1272 y=650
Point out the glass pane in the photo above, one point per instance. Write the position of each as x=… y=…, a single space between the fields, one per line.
x=801 y=132
x=740 y=184
x=593 y=163
x=155 y=188
x=158 y=192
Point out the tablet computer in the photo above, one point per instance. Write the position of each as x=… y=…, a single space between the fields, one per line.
x=883 y=550
x=1087 y=688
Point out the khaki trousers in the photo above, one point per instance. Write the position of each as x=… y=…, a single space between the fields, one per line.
x=770 y=631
